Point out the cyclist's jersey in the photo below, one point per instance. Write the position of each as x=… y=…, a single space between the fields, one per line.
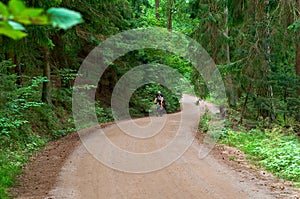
x=159 y=98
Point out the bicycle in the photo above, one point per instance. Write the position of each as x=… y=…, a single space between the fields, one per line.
x=160 y=109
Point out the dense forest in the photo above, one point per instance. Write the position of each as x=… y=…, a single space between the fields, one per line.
x=255 y=45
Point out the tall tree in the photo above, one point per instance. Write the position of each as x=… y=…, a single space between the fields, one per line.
x=297 y=64
x=169 y=14
x=157 y=9
x=46 y=90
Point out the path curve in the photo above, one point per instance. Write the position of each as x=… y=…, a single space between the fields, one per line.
x=83 y=176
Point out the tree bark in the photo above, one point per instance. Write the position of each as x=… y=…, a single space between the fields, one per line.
x=297 y=65
x=268 y=50
x=17 y=69
x=59 y=57
x=244 y=108
x=169 y=27
x=227 y=34
x=157 y=9
x=46 y=92
x=231 y=91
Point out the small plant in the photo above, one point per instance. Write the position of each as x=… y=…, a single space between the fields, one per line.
x=231 y=158
x=271 y=149
x=11 y=161
x=204 y=122
x=103 y=114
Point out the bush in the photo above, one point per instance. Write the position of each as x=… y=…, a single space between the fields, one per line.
x=26 y=124
x=204 y=122
x=141 y=102
x=276 y=152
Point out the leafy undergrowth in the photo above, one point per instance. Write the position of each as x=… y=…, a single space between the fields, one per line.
x=26 y=123
x=278 y=153
x=274 y=148
x=11 y=161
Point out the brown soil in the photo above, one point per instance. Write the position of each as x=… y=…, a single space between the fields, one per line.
x=65 y=169
x=40 y=174
x=238 y=161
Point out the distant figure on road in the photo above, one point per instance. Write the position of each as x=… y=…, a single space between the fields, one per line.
x=159 y=100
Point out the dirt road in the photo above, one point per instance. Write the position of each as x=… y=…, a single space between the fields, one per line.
x=85 y=176
x=155 y=157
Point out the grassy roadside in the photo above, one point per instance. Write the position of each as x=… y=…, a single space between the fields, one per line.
x=44 y=123
x=27 y=124
x=278 y=153
x=274 y=149
x=40 y=125
x=12 y=162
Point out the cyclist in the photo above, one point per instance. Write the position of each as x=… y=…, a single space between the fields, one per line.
x=159 y=100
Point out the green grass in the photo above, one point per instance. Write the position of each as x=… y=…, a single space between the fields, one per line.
x=12 y=161
x=8 y=171
x=204 y=122
x=276 y=152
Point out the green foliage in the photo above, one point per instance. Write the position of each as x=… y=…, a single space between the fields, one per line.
x=102 y=19
x=204 y=123
x=11 y=161
x=276 y=152
x=141 y=101
x=8 y=30
x=14 y=103
x=7 y=172
x=16 y=13
x=256 y=58
x=64 y=18
x=26 y=124
x=236 y=9
x=103 y=114
x=259 y=81
x=295 y=26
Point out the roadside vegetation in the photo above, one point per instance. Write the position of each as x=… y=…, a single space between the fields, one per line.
x=269 y=148
x=255 y=46
x=275 y=149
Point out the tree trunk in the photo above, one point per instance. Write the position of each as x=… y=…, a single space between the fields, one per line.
x=170 y=15
x=46 y=92
x=157 y=9
x=58 y=52
x=230 y=87
x=268 y=50
x=17 y=69
x=297 y=65
x=244 y=108
x=59 y=57
x=227 y=34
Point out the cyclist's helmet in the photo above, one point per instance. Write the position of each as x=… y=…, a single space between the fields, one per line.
x=158 y=92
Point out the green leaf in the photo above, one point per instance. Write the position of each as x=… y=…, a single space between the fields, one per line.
x=16 y=26
x=14 y=34
x=64 y=18
x=7 y=30
x=16 y=6
x=204 y=7
x=294 y=26
x=38 y=20
x=3 y=10
x=32 y=12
